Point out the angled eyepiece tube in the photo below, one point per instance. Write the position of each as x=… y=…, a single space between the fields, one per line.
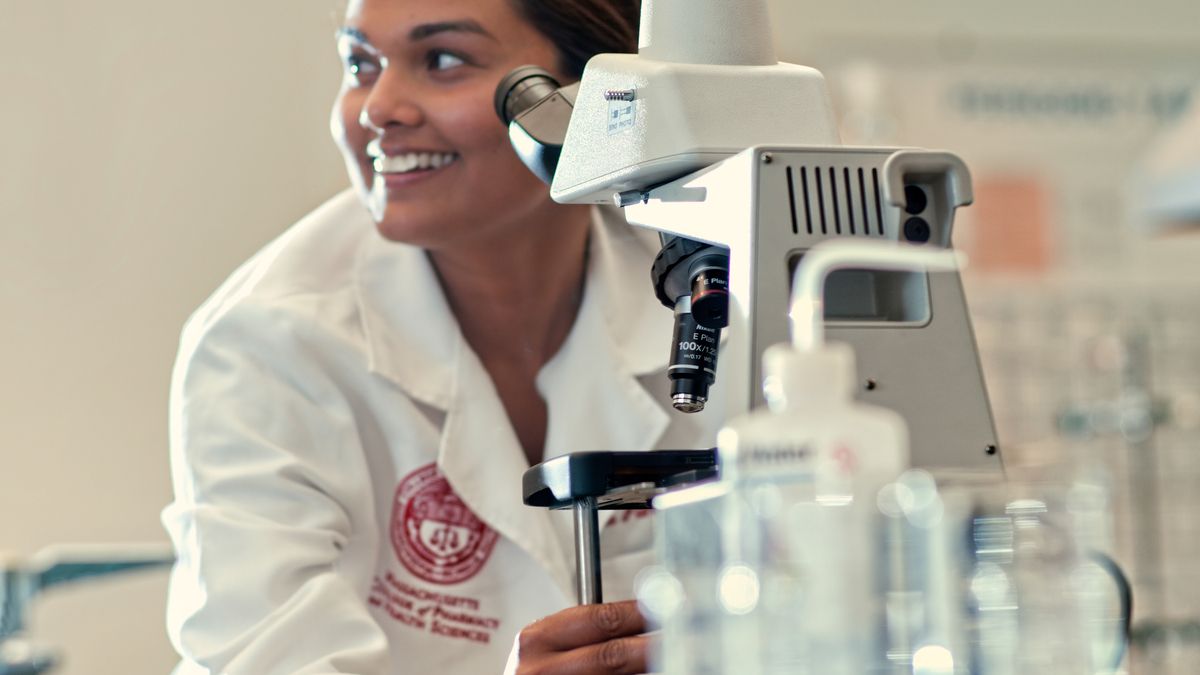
x=537 y=112
x=520 y=90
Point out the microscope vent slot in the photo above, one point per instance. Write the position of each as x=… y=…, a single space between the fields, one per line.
x=862 y=193
x=807 y=203
x=792 y=200
x=821 y=200
x=878 y=200
x=833 y=201
x=849 y=198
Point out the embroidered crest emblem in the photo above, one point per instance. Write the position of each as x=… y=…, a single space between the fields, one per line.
x=435 y=535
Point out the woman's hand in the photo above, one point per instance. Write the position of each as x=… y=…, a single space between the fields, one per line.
x=586 y=640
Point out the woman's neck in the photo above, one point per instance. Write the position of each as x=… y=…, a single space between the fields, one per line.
x=516 y=297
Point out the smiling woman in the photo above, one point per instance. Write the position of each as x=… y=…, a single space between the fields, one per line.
x=352 y=412
x=418 y=79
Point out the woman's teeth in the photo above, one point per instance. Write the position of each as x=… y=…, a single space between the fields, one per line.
x=413 y=161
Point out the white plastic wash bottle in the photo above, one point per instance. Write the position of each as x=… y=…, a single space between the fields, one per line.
x=812 y=424
x=803 y=474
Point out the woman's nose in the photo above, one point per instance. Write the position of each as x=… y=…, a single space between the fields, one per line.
x=390 y=103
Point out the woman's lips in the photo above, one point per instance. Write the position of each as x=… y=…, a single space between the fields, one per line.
x=396 y=180
x=403 y=162
x=404 y=174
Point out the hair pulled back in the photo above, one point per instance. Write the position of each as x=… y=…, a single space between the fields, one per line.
x=580 y=29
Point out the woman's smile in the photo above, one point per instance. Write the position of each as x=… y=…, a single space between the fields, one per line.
x=397 y=167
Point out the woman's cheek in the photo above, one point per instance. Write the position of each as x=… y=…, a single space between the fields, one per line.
x=349 y=136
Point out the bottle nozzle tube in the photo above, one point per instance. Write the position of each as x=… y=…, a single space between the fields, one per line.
x=808 y=282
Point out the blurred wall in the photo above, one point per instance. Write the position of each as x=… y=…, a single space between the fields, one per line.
x=146 y=148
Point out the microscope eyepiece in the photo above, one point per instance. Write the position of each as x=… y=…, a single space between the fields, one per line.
x=520 y=90
x=537 y=113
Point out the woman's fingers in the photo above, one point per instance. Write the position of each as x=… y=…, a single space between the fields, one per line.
x=602 y=639
x=583 y=625
x=621 y=656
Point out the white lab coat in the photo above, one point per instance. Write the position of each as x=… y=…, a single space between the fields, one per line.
x=347 y=482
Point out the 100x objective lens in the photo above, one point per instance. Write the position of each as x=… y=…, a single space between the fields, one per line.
x=710 y=297
x=693 y=366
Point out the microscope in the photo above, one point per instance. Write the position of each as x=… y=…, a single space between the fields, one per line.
x=734 y=158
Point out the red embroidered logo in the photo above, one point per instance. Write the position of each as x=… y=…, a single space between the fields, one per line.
x=435 y=535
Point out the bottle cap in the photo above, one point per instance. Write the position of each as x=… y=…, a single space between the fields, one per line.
x=818 y=377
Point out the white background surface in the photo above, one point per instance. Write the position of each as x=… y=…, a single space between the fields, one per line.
x=148 y=147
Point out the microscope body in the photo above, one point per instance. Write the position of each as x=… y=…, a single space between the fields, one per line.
x=704 y=135
x=638 y=122
x=911 y=332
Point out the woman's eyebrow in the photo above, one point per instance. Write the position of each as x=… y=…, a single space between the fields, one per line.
x=353 y=33
x=423 y=31
x=461 y=26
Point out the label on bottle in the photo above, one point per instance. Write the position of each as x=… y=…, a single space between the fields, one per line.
x=754 y=459
x=760 y=458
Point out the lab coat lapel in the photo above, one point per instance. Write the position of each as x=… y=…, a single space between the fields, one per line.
x=595 y=399
x=414 y=341
x=409 y=329
x=598 y=408
x=482 y=459
x=591 y=387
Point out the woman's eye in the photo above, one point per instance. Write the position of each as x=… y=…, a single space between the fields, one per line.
x=439 y=60
x=360 y=68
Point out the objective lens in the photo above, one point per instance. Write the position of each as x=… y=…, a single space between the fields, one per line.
x=693 y=366
x=710 y=297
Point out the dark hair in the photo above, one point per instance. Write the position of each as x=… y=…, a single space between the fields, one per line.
x=580 y=29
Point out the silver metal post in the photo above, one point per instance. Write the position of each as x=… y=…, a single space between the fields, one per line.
x=587 y=551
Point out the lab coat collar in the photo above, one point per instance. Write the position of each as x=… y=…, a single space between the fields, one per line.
x=622 y=328
x=621 y=334
x=407 y=322
x=639 y=326
x=593 y=394
x=411 y=335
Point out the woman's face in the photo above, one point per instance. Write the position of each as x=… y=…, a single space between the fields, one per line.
x=415 y=123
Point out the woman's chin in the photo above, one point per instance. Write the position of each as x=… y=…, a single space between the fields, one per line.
x=403 y=226
x=392 y=222
x=407 y=221
x=377 y=204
